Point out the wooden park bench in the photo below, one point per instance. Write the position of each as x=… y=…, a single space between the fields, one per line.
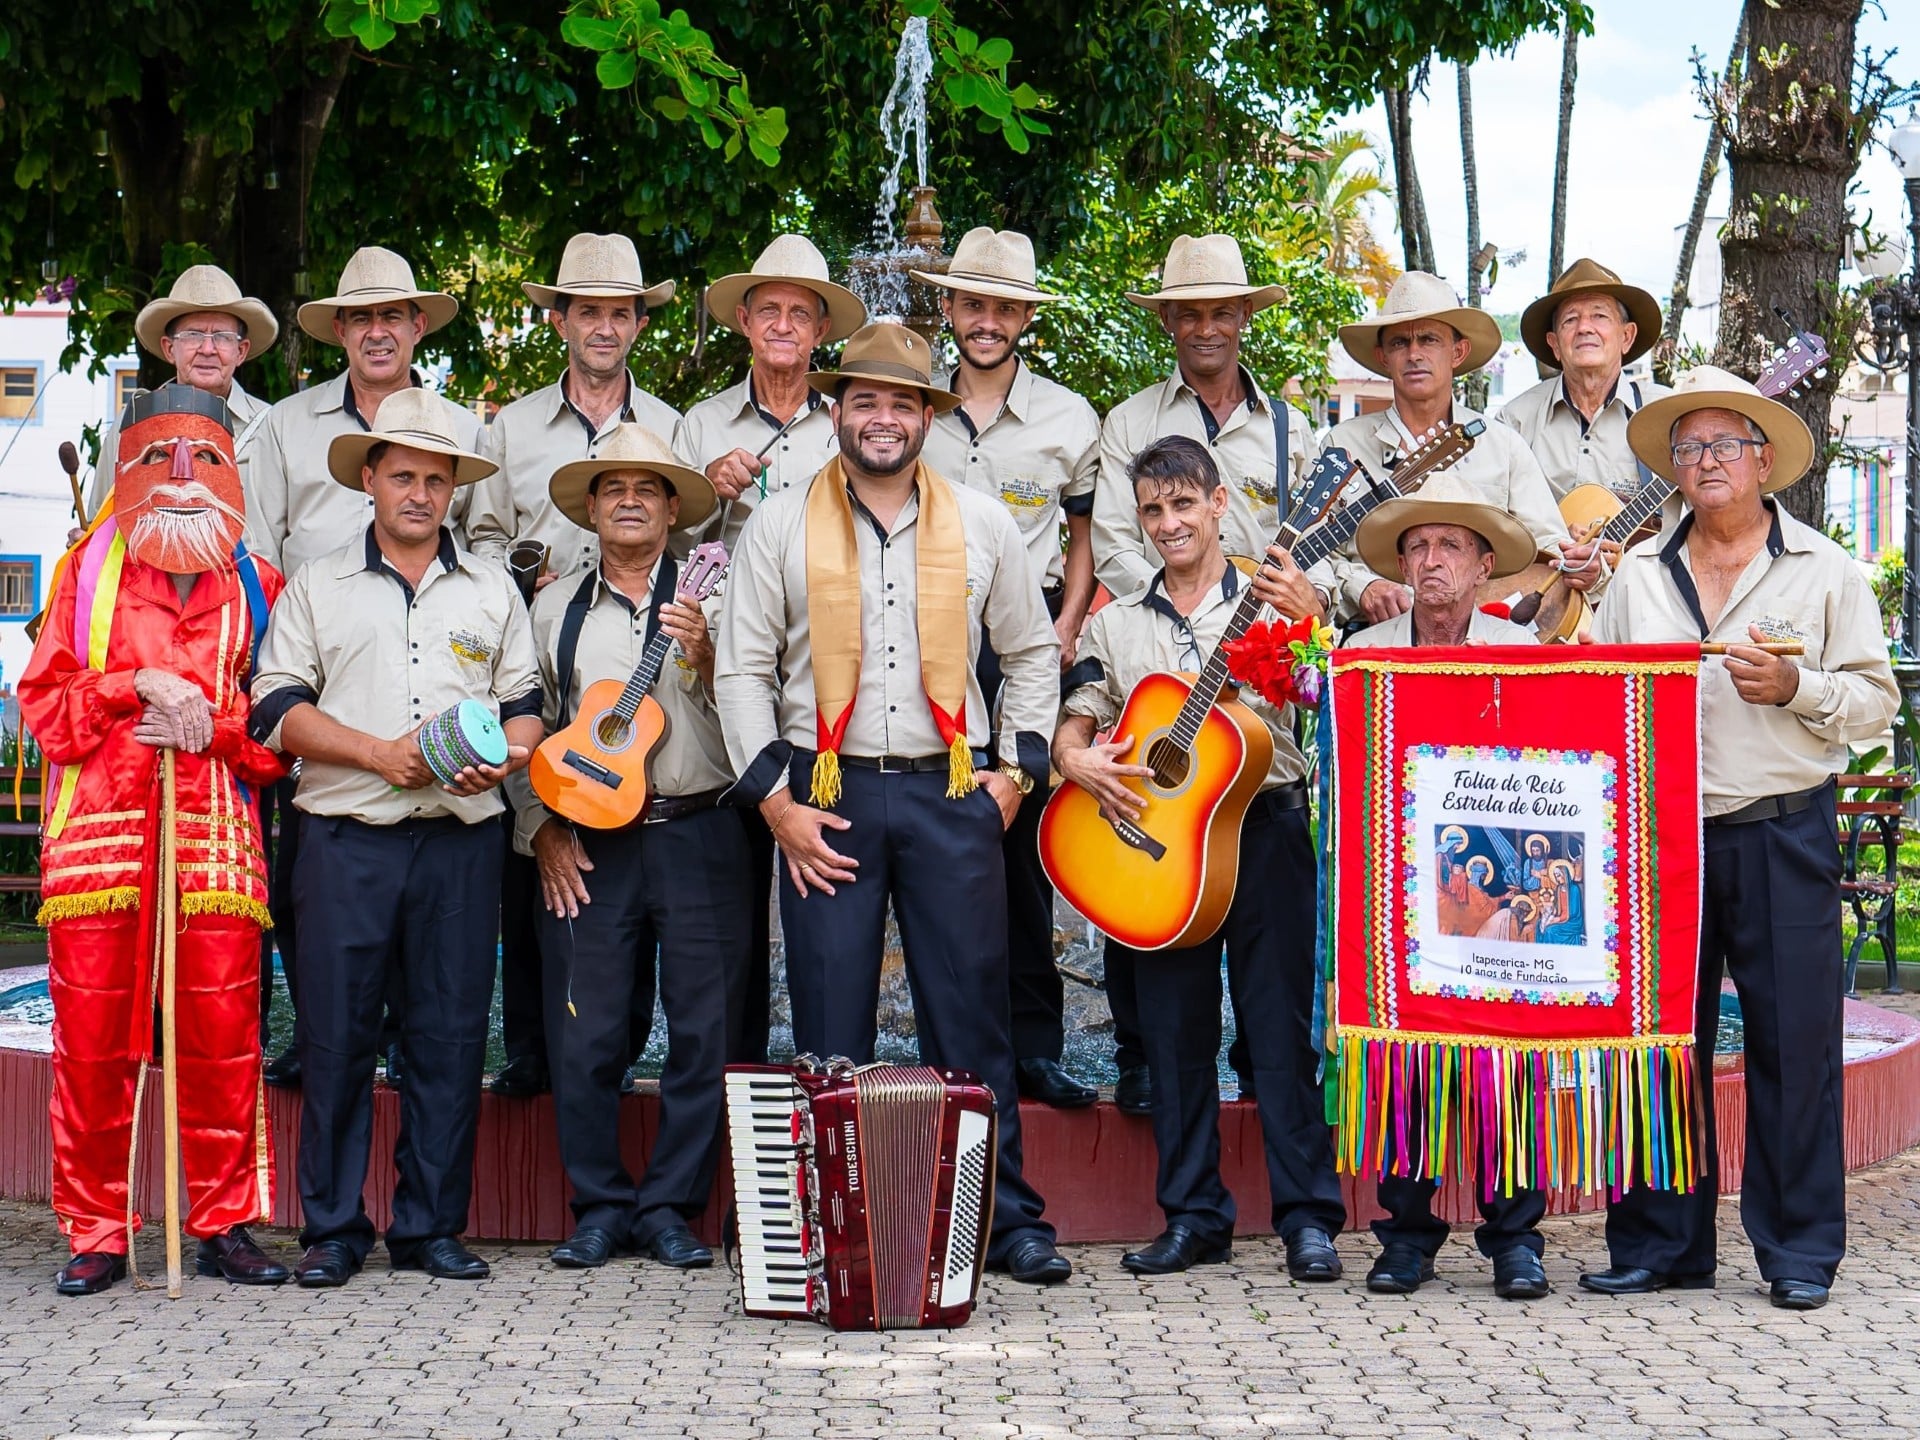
x=1870 y=810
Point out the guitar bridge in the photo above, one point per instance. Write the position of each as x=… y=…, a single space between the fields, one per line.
x=592 y=769
x=1133 y=836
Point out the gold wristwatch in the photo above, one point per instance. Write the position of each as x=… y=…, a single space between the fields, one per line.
x=1022 y=781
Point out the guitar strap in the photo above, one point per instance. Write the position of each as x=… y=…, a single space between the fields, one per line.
x=666 y=576
x=1646 y=475
x=1281 y=489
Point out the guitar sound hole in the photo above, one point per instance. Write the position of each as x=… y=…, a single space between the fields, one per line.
x=1169 y=763
x=611 y=731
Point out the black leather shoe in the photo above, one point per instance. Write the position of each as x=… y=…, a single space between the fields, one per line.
x=676 y=1246
x=91 y=1273
x=396 y=1069
x=588 y=1248
x=1034 y=1261
x=237 y=1259
x=1311 y=1256
x=1047 y=1082
x=326 y=1265
x=444 y=1258
x=283 y=1071
x=522 y=1079
x=1633 y=1280
x=1133 y=1093
x=1797 y=1295
x=1176 y=1248
x=1400 y=1270
x=1519 y=1275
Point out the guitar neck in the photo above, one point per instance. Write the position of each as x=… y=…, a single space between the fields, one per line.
x=1636 y=512
x=645 y=674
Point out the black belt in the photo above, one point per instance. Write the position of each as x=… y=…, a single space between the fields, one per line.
x=675 y=807
x=909 y=764
x=1290 y=796
x=1770 y=807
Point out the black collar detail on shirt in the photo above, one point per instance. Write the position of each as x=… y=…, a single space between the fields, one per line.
x=1683 y=579
x=448 y=556
x=1206 y=411
x=626 y=407
x=352 y=406
x=960 y=411
x=773 y=422
x=1155 y=598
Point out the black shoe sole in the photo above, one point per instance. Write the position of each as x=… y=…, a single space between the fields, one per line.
x=1205 y=1257
x=1318 y=1273
x=574 y=1262
x=1062 y=1102
x=1054 y=1272
x=705 y=1264
x=321 y=1280
x=1674 y=1282
x=1396 y=1284
x=211 y=1269
x=1527 y=1291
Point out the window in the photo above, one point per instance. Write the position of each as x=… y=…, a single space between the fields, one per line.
x=19 y=586
x=126 y=384
x=1333 y=410
x=19 y=389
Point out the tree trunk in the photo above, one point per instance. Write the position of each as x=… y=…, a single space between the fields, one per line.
x=1790 y=156
x=1569 y=73
x=1696 y=219
x=1474 y=385
x=1416 y=240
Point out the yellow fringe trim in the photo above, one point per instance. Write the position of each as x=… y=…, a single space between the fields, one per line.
x=225 y=902
x=1495 y=1042
x=94 y=902
x=826 y=780
x=960 y=779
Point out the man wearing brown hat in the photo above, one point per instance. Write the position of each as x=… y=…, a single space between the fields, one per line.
x=1035 y=446
x=765 y=434
x=397 y=868
x=675 y=884
x=846 y=676
x=1589 y=327
x=1775 y=730
x=1422 y=339
x=206 y=329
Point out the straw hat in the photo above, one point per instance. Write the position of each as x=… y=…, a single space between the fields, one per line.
x=790 y=260
x=419 y=420
x=1444 y=500
x=1209 y=268
x=204 y=287
x=890 y=353
x=375 y=276
x=1708 y=387
x=600 y=265
x=1590 y=277
x=991 y=262
x=631 y=447
x=1417 y=295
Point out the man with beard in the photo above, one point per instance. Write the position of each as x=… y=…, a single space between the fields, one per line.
x=846 y=673
x=147 y=648
x=1035 y=446
x=598 y=306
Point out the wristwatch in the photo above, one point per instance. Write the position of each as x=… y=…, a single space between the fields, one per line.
x=1022 y=781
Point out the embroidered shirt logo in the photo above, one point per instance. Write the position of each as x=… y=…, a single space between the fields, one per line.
x=1022 y=492
x=474 y=649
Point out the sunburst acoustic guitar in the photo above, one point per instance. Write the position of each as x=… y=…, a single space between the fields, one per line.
x=594 y=772
x=1169 y=879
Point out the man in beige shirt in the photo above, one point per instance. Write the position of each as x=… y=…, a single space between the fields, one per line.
x=1775 y=730
x=598 y=306
x=1267 y=937
x=1205 y=304
x=675 y=882
x=847 y=670
x=397 y=868
x=1035 y=446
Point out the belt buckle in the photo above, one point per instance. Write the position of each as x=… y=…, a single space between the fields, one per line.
x=880 y=764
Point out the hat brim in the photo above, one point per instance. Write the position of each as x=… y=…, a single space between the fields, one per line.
x=1261 y=295
x=846 y=311
x=828 y=381
x=569 y=485
x=316 y=316
x=150 y=325
x=347 y=454
x=651 y=296
x=1378 y=538
x=1362 y=338
x=1536 y=321
x=986 y=285
x=1792 y=441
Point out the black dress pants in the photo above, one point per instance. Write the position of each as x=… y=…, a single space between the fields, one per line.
x=1771 y=916
x=1506 y=1220
x=761 y=872
x=276 y=803
x=1271 y=975
x=418 y=901
x=939 y=862
x=522 y=1031
x=679 y=889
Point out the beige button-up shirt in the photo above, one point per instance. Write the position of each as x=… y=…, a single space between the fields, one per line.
x=692 y=757
x=529 y=440
x=352 y=637
x=733 y=420
x=242 y=406
x=763 y=677
x=1127 y=640
x=1499 y=467
x=1040 y=456
x=296 y=510
x=1573 y=453
x=1482 y=627
x=1243 y=448
x=1799 y=586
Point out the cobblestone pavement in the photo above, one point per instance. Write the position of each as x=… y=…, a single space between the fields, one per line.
x=1229 y=1350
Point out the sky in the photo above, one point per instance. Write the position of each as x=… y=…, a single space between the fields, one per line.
x=1638 y=138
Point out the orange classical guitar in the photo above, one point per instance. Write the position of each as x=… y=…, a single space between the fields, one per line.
x=1168 y=880
x=594 y=772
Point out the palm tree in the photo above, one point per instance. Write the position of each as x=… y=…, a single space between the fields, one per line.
x=1337 y=185
x=1569 y=74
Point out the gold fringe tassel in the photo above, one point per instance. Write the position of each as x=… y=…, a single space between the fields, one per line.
x=826 y=780
x=225 y=902
x=94 y=902
x=960 y=779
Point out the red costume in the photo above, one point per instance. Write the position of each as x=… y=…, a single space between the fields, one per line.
x=113 y=614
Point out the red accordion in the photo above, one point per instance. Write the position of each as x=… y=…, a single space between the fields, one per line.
x=864 y=1196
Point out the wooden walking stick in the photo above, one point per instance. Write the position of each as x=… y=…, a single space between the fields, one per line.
x=169 y=1060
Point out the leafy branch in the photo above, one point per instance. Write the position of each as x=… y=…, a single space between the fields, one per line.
x=973 y=73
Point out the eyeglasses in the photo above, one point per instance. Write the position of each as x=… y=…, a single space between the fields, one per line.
x=1189 y=643
x=220 y=339
x=1726 y=450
